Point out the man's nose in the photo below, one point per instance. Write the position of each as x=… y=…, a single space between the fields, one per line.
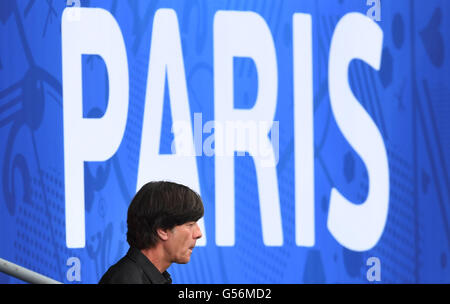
x=197 y=232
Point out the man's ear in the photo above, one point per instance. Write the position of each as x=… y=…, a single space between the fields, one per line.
x=162 y=233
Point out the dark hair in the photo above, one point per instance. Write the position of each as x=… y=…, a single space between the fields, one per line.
x=160 y=205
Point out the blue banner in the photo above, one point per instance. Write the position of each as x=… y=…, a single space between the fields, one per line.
x=316 y=132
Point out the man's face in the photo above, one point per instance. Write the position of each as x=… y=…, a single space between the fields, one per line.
x=181 y=241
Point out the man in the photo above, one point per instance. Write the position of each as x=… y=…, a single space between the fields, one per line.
x=162 y=229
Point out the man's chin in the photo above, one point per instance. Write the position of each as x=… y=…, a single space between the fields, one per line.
x=184 y=260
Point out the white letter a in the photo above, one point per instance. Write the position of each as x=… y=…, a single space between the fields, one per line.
x=166 y=55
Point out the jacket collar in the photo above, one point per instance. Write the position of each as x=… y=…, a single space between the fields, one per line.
x=150 y=271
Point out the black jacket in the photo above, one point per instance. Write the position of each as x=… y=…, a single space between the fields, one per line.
x=135 y=268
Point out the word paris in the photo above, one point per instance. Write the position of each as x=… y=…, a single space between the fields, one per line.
x=235 y=34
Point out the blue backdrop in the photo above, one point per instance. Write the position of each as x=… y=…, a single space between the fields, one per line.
x=408 y=99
